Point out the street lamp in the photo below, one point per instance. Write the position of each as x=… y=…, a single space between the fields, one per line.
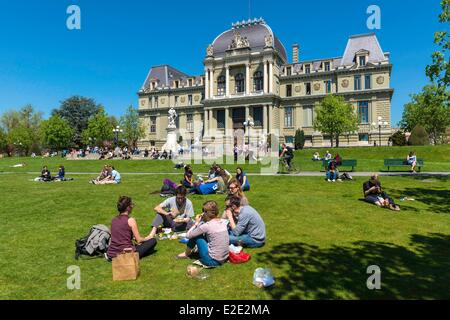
x=380 y=124
x=247 y=124
x=116 y=131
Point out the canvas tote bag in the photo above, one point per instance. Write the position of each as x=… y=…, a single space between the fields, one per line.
x=126 y=266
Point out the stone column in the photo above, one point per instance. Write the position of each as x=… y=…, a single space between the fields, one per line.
x=227 y=81
x=207 y=85
x=270 y=125
x=212 y=125
x=211 y=84
x=227 y=120
x=205 y=122
x=247 y=78
x=271 y=77
x=265 y=124
x=266 y=77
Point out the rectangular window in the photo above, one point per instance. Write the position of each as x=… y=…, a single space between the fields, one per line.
x=156 y=102
x=307 y=68
x=176 y=101
x=307 y=116
x=289 y=90
x=308 y=88
x=328 y=86
x=363 y=137
x=362 y=61
x=153 y=124
x=221 y=119
x=190 y=82
x=176 y=84
x=190 y=122
x=190 y=99
x=289 y=139
x=288 y=71
x=367 y=82
x=327 y=66
x=357 y=83
x=363 y=112
x=258 y=116
x=288 y=117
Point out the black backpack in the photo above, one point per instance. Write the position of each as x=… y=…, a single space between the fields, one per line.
x=81 y=244
x=167 y=191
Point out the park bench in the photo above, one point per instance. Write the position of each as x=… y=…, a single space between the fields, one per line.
x=345 y=163
x=401 y=163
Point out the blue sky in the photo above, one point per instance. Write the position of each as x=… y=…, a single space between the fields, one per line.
x=42 y=62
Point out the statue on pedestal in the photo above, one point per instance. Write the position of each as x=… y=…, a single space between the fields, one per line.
x=172 y=117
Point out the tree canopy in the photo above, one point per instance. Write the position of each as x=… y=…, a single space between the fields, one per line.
x=133 y=128
x=56 y=133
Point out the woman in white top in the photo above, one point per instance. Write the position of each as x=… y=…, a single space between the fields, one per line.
x=412 y=160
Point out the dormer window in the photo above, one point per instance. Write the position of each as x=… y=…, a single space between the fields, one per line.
x=326 y=66
x=177 y=84
x=190 y=82
x=362 y=61
x=288 y=71
x=307 y=68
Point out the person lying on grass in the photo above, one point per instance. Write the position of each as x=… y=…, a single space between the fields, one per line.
x=249 y=230
x=124 y=230
x=374 y=194
x=175 y=213
x=210 y=236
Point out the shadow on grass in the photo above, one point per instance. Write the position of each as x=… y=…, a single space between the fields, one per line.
x=435 y=199
x=309 y=272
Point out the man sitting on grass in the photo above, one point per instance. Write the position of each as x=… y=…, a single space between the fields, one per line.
x=374 y=194
x=175 y=212
x=250 y=230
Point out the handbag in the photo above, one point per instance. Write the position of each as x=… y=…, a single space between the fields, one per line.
x=240 y=257
x=125 y=266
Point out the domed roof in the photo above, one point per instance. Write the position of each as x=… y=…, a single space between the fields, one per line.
x=255 y=31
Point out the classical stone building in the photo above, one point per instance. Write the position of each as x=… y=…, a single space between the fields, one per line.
x=248 y=76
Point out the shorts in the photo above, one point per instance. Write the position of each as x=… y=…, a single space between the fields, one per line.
x=373 y=198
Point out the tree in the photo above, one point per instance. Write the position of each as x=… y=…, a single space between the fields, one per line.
x=99 y=128
x=77 y=111
x=439 y=70
x=133 y=127
x=20 y=139
x=299 y=139
x=335 y=116
x=419 y=137
x=398 y=139
x=3 y=141
x=430 y=109
x=56 y=133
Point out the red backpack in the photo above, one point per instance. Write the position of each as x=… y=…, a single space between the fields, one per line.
x=240 y=257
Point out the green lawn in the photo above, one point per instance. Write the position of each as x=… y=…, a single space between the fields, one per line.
x=321 y=239
x=437 y=159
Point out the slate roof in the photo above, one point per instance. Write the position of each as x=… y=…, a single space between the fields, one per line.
x=254 y=32
x=367 y=42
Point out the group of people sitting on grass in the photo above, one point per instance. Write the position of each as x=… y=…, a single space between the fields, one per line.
x=47 y=177
x=209 y=232
x=332 y=171
x=216 y=181
x=108 y=175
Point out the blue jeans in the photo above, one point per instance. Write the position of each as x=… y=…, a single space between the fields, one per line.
x=202 y=246
x=245 y=240
x=331 y=175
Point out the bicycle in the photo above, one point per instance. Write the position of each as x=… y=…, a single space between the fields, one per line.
x=284 y=167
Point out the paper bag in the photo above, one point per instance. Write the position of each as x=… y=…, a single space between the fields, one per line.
x=126 y=266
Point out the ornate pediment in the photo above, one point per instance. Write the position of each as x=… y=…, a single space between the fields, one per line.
x=239 y=42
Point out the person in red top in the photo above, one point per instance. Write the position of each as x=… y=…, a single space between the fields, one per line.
x=124 y=230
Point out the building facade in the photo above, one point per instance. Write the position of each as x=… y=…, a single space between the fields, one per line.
x=247 y=76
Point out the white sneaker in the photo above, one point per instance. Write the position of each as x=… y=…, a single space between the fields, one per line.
x=329 y=180
x=334 y=180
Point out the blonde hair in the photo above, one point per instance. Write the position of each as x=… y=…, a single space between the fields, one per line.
x=236 y=182
x=210 y=211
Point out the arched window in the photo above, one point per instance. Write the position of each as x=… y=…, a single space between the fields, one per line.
x=240 y=87
x=221 y=86
x=258 y=81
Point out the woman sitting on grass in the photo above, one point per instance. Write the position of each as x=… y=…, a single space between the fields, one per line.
x=45 y=175
x=235 y=189
x=241 y=176
x=188 y=181
x=210 y=236
x=412 y=160
x=102 y=176
x=124 y=229
x=374 y=194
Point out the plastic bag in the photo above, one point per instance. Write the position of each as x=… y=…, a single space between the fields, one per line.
x=263 y=278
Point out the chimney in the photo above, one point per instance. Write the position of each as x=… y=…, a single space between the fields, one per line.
x=295 y=49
